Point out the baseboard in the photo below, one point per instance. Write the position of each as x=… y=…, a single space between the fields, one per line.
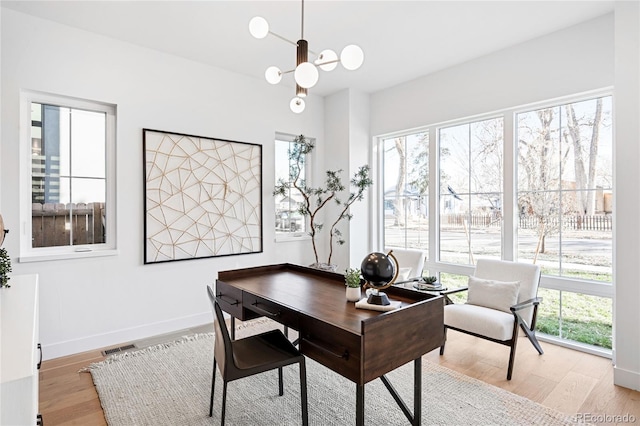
x=98 y=341
x=626 y=379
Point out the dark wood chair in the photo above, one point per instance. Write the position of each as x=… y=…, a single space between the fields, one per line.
x=504 y=301
x=256 y=354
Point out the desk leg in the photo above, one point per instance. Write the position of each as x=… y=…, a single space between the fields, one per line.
x=417 y=391
x=359 y=405
x=233 y=328
x=416 y=417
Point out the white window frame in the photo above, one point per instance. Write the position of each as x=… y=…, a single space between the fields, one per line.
x=294 y=236
x=109 y=248
x=509 y=229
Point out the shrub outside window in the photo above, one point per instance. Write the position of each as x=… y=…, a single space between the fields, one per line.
x=289 y=222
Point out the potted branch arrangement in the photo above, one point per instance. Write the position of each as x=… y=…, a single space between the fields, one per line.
x=352 y=280
x=428 y=283
x=5 y=268
x=314 y=199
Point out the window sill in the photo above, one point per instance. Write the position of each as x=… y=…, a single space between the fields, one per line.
x=287 y=238
x=45 y=257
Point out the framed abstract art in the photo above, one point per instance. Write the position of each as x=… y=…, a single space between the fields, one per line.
x=202 y=197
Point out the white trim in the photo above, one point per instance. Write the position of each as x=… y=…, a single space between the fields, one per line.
x=291 y=237
x=626 y=378
x=62 y=256
x=572 y=344
x=96 y=341
x=509 y=230
x=574 y=285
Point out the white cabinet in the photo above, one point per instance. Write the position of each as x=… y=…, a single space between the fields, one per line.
x=20 y=353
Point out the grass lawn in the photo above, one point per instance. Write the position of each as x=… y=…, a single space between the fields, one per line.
x=585 y=319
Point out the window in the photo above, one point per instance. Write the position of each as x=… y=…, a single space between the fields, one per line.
x=565 y=189
x=576 y=316
x=471 y=175
x=71 y=146
x=289 y=221
x=406 y=191
x=557 y=212
x=565 y=213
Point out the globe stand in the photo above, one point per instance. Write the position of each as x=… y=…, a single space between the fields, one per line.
x=380 y=271
x=378 y=298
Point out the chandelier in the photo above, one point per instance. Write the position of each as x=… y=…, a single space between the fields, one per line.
x=305 y=73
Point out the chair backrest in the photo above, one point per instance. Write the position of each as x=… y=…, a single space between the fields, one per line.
x=503 y=270
x=410 y=262
x=222 y=349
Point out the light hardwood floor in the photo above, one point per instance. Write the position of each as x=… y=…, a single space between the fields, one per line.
x=563 y=379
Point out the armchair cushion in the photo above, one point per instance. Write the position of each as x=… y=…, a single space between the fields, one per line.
x=404 y=274
x=499 y=295
x=480 y=320
x=410 y=262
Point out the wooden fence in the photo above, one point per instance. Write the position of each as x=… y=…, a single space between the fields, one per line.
x=67 y=224
x=569 y=222
x=474 y=220
x=572 y=222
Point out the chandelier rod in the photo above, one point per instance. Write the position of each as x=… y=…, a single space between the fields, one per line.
x=283 y=38
x=295 y=43
x=302 y=22
x=334 y=61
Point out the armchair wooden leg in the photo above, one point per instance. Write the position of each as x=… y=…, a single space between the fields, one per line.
x=280 y=385
x=532 y=338
x=443 y=341
x=512 y=354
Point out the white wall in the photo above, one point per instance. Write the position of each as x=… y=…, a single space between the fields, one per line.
x=572 y=61
x=348 y=141
x=567 y=62
x=97 y=302
x=627 y=199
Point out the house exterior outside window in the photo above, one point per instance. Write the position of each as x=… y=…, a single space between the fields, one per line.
x=289 y=222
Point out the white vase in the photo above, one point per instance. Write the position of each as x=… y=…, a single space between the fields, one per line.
x=324 y=266
x=353 y=294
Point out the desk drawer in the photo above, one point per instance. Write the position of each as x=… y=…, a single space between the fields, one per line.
x=274 y=311
x=332 y=347
x=230 y=299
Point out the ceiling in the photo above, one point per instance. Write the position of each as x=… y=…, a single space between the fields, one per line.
x=402 y=40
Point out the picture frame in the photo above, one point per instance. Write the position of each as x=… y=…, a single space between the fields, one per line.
x=202 y=197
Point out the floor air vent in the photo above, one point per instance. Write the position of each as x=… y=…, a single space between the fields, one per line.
x=118 y=349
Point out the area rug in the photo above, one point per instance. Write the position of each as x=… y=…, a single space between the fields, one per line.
x=169 y=384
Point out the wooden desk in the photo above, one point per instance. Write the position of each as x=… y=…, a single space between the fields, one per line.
x=358 y=344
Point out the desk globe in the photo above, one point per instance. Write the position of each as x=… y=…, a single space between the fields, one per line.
x=380 y=271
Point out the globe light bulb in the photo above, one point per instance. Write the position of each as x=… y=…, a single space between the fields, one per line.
x=352 y=57
x=296 y=105
x=273 y=75
x=327 y=56
x=258 y=27
x=306 y=75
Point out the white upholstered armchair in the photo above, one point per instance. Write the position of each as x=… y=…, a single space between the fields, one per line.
x=502 y=297
x=410 y=262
